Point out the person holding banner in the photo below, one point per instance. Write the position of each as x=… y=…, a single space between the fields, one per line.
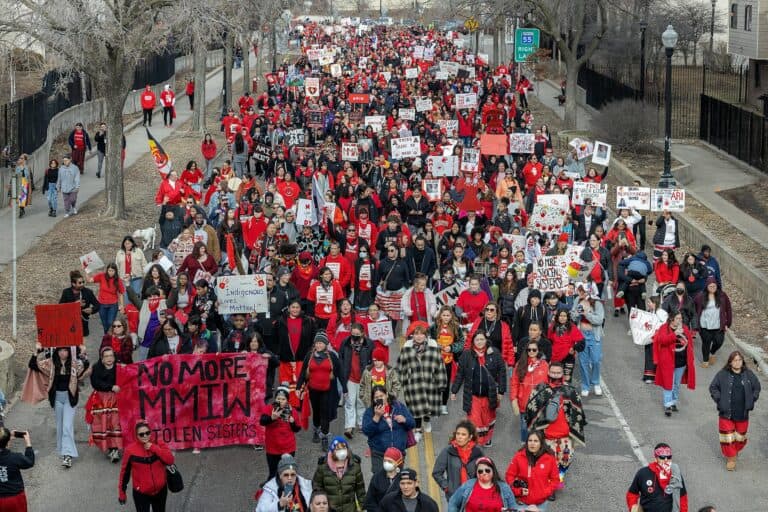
x=145 y=463
x=101 y=408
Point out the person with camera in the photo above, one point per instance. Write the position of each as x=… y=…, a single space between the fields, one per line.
x=12 y=495
x=532 y=473
x=281 y=422
x=144 y=462
x=673 y=355
x=287 y=491
x=386 y=424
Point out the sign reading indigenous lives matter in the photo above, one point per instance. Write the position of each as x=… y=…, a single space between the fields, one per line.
x=551 y=273
x=195 y=401
x=242 y=294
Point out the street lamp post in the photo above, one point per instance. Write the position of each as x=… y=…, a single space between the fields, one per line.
x=669 y=39
x=643 y=26
x=712 y=28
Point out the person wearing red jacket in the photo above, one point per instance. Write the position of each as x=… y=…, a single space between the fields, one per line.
x=497 y=331
x=673 y=355
x=532 y=369
x=325 y=293
x=245 y=102
x=280 y=422
x=532 y=172
x=145 y=462
x=533 y=474
x=168 y=101
x=339 y=265
x=565 y=336
x=208 y=149
x=522 y=90
x=471 y=302
x=254 y=227
x=304 y=273
x=466 y=127
x=189 y=90
x=148 y=102
x=649 y=487
x=171 y=190
x=667 y=269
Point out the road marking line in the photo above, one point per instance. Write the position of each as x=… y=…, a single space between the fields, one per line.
x=429 y=452
x=412 y=457
x=623 y=423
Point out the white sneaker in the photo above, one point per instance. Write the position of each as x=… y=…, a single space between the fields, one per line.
x=443 y=410
x=74 y=211
x=427 y=426
x=67 y=215
x=585 y=392
x=417 y=435
x=598 y=390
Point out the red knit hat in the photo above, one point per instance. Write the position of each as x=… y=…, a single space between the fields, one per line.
x=563 y=237
x=381 y=354
x=394 y=455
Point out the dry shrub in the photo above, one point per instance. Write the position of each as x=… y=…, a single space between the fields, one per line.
x=628 y=125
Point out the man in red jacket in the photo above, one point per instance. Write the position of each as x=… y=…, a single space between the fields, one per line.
x=148 y=102
x=168 y=100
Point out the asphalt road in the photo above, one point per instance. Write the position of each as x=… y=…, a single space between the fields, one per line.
x=227 y=478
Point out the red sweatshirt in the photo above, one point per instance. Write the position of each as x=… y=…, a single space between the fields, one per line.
x=542 y=477
x=145 y=467
x=471 y=304
x=562 y=344
x=666 y=275
x=280 y=435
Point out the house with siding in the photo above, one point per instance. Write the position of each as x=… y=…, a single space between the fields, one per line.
x=748 y=38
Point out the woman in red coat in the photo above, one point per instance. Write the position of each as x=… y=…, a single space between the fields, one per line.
x=673 y=356
x=144 y=462
x=171 y=190
x=533 y=474
x=281 y=422
x=667 y=269
x=565 y=336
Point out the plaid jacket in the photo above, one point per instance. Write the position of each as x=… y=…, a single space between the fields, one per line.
x=422 y=379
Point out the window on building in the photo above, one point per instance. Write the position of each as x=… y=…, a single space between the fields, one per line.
x=734 y=15
x=748 y=18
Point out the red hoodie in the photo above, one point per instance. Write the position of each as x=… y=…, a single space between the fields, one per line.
x=542 y=477
x=145 y=467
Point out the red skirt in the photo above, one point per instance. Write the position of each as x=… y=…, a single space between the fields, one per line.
x=105 y=425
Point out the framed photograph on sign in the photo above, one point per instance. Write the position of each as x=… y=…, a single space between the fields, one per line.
x=602 y=154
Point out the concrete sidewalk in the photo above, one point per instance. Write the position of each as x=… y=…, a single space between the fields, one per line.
x=36 y=223
x=709 y=171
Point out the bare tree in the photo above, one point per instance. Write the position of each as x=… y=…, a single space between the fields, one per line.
x=105 y=39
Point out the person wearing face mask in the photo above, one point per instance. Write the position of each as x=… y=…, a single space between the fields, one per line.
x=339 y=474
x=355 y=355
x=555 y=408
x=483 y=374
x=286 y=491
x=485 y=491
x=532 y=473
x=673 y=355
x=532 y=313
x=659 y=486
x=385 y=480
x=681 y=302
x=364 y=278
x=456 y=463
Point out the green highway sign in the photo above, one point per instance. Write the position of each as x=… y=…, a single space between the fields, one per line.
x=526 y=43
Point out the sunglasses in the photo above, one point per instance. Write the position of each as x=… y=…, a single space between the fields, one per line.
x=484 y=471
x=664 y=457
x=490 y=310
x=533 y=350
x=115 y=326
x=143 y=434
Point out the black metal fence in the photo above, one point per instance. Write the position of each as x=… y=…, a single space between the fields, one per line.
x=737 y=131
x=24 y=123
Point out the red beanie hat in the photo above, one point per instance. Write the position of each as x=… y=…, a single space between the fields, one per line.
x=563 y=237
x=380 y=354
x=395 y=455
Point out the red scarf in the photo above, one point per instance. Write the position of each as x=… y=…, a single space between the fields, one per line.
x=464 y=454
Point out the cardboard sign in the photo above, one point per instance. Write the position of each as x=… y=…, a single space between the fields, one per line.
x=336 y=70
x=602 y=154
x=295 y=137
x=521 y=143
x=433 y=189
x=423 y=105
x=492 y=144
x=667 y=199
x=554 y=200
x=638 y=198
x=451 y=68
x=305 y=213
x=583 y=147
x=350 y=151
x=443 y=165
x=596 y=192
x=242 y=294
x=359 y=99
x=91 y=262
x=551 y=273
x=470 y=160
x=448 y=296
x=547 y=219
x=449 y=126
x=411 y=73
x=312 y=86
x=195 y=401
x=406 y=147
x=407 y=114
x=59 y=325
x=643 y=325
x=375 y=122
x=326 y=60
x=381 y=331
x=466 y=101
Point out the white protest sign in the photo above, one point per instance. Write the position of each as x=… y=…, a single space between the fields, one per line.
x=551 y=273
x=314 y=54
x=407 y=114
x=91 y=262
x=667 y=199
x=443 y=165
x=305 y=213
x=638 y=198
x=451 y=126
x=448 y=148
x=423 y=105
x=470 y=160
x=406 y=147
x=326 y=60
x=602 y=154
x=362 y=62
x=375 y=122
x=411 y=73
x=481 y=59
x=464 y=101
x=336 y=70
x=429 y=54
x=573 y=253
x=643 y=325
x=381 y=331
x=555 y=200
x=516 y=242
x=242 y=294
x=433 y=189
x=596 y=192
x=583 y=147
x=521 y=143
x=350 y=151
x=451 y=68
x=386 y=75
x=312 y=86
x=418 y=52
x=448 y=296
x=547 y=219
x=166 y=263
x=441 y=75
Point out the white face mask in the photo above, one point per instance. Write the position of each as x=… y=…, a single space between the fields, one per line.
x=388 y=466
x=341 y=454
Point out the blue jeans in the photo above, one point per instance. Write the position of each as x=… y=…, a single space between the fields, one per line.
x=107 y=313
x=53 y=197
x=589 y=361
x=523 y=426
x=467 y=141
x=672 y=396
x=65 y=425
x=521 y=507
